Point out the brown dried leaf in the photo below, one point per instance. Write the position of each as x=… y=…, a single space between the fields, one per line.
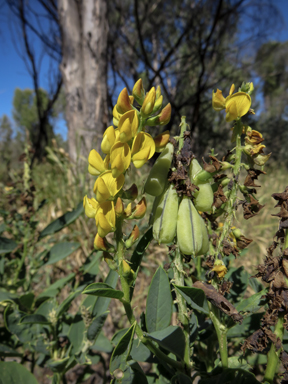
x=219 y=197
x=219 y=301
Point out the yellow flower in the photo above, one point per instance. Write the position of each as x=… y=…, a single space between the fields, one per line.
x=236 y=105
x=100 y=243
x=148 y=103
x=120 y=158
x=105 y=218
x=128 y=125
x=109 y=138
x=96 y=164
x=90 y=206
x=124 y=104
x=106 y=186
x=143 y=148
x=220 y=268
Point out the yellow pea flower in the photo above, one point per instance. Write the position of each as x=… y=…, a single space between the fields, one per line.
x=100 y=243
x=96 y=164
x=109 y=138
x=128 y=125
x=106 y=186
x=105 y=218
x=143 y=148
x=90 y=206
x=220 y=268
x=120 y=158
x=236 y=105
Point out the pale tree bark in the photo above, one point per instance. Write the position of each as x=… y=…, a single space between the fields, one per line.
x=84 y=28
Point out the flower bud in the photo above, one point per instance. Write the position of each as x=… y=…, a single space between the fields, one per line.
x=237 y=233
x=158 y=175
x=101 y=244
x=132 y=237
x=158 y=104
x=138 y=92
x=165 y=218
x=148 y=103
x=189 y=228
x=123 y=102
x=119 y=207
x=162 y=119
x=109 y=138
x=161 y=141
x=126 y=269
x=139 y=211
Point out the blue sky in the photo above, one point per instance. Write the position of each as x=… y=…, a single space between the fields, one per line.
x=13 y=72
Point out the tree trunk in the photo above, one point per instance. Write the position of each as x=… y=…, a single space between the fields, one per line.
x=84 y=28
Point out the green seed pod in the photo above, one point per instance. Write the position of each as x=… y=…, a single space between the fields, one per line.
x=158 y=175
x=204 y=197
x=189 y=228
x=165 y=221
x=205 y=241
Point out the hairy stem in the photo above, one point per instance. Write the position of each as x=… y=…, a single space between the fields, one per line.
x=178 y=269
x=221 y=332
x=273 y=355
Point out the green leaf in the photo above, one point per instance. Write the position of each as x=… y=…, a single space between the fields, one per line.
x=122 y=350
x=24 y=332
x=61 y=364
x=133 y=374
x=6 y=245
x=138 y=253
x=96 y=326
x=56 y=378
x=159 y=302
x=171 y=338
x=64 y=306
x=46 y=308
x=15 y=373
x=27 y=300
x=102 y=344
x=249 y=325
x=62 y=221
x=60 y=251
x=253 y=303
x=140 y=352
x=195 y=297
x=76 y=334
x=239 y=277
x=102 y=303
x=7 y=296
x=54 y=289
x=34 y=319
x=7 y=351
x=255 y=284
x=103 y=290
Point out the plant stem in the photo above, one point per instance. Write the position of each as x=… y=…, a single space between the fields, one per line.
x=273 y=355
x=127 y=304
x=178 y=269
x=221 y=334
x=183 y=128
x=233 y=194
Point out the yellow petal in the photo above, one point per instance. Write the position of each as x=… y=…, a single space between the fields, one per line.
x=90 y=206
x=232 y=89
x=161 y=141
x=148 y=103
x=109 y=138
x=218 y=100
x=237 y=105
x=101 y=191
x=105 y=218
x=120 y=158
x=143 y=148
x=96 y=163
x=113 y=184
x=128 y=125
x=123 y=102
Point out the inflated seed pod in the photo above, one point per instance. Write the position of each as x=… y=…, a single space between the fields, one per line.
x=205 y=239
x=158 y=175
x=189 y=228
x=165 y=218
x=204 y=197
